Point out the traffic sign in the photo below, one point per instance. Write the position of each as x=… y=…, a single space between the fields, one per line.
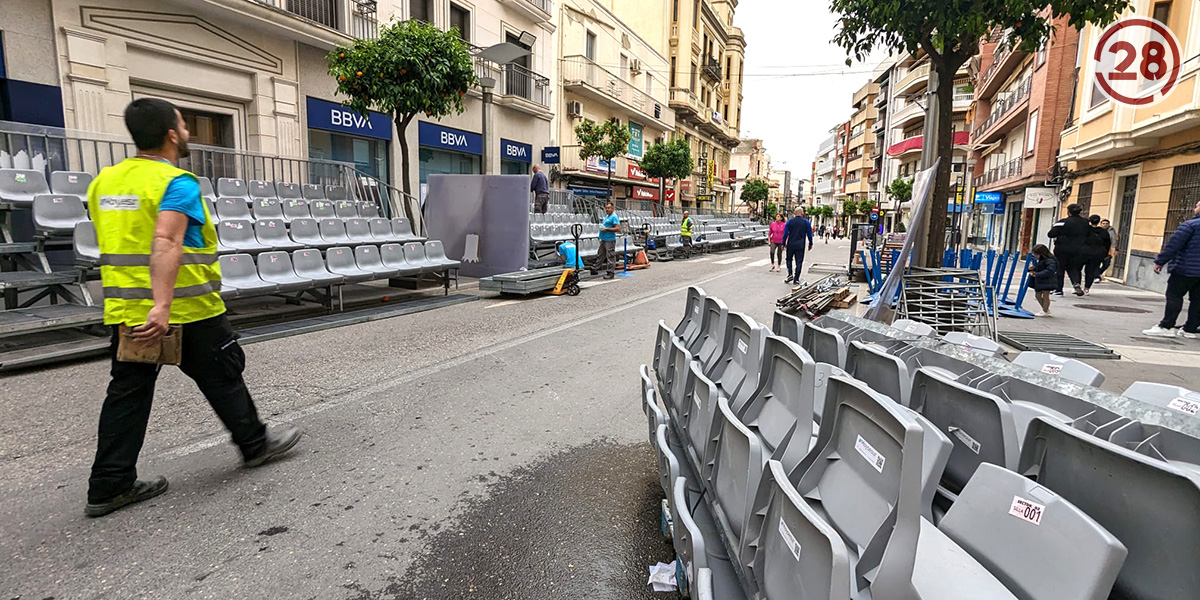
x=874 y=210
x=1136 y=61
x=874 y=215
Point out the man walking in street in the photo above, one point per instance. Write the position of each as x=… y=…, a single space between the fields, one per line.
x=1181 y=254
x=158 y=257
x=1070 y=235
x=1112 y=237
x=797 y=230
x=606 y=257
x=541 y=190
x=685 y=234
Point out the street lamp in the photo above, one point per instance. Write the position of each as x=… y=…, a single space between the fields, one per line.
x=502 y=54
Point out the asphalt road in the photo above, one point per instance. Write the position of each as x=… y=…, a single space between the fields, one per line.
x=493 y=449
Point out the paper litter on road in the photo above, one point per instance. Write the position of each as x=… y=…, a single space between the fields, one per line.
x=662 y=577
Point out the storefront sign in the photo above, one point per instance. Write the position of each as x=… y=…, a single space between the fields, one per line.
x=670 y=195
x=1041 y=197
x=583 y=190
x=635 y=140
x=989 y=198
x=596 y=164
x=636 y=172
x=331 y=116
x=551 y=155
x=436 y=136
x=991 y=209
x=645 y=193
x=685 y=186
x=515 y=151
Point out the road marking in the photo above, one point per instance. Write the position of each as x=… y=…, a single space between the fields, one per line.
x=696 y=260
x=502 y=303
x=730 y=261
x=760 y=263
x=429 y=370
x=588 y=284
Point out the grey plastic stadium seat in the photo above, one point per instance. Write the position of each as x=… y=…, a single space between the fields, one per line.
x=403 y=228
x=20 y=186
x=435 y=252
x=321 y=209
x=212 y=210
x=1162 y=443
x=367 y=259
x=273 y=233
x=260 y=189
x=334 y=231
x=74 y=183
x=276 y=268
x=784 y=398
x=669 y=467
x=974 y=343
x=700 y=399
x=335 y=193
x=206 y=188
x=1052 y=551
x=662 y=353
x=233 y=209
x=57 y=214
x=414 y=253
x=359 y=231
x=912 y=327
x=1067 y=368
x=85 y=244
x=654 y=415
x=1152 y=506
x=677 y=400
x=689 y=325
x=824 y=345
x=736 y=370
x=345 y=209
x=885 y=373
x=239 y=235
x=307 y=231
x=341 y=261
x=228 y=187
x=381 y=230
x=295 y=209
x=267 y=208
x=707 y=345
x=288 y=191
x=1165 y=396
x=787 y=326
x=392 y=256
x=1030 y=400
x=312 y=191
x=368 y=210
x=699 y=547
x=308 y=263
x=238 y=274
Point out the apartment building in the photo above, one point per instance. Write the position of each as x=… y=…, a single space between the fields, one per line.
x=749 y=160
x=823 y=170
x=1137 y=166
x=609 y=71
x=880 y=175
x=861 y=144
x=705 y=53
x=841 y=154
x=1022 y=102
x=251 y=76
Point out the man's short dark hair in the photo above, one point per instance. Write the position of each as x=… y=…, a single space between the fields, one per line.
x=610 y=204
x=1074 y=210
x=148 y=121
x=1094 y=219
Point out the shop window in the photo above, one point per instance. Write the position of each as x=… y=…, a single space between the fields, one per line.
x=674 y=11
x=460 y=18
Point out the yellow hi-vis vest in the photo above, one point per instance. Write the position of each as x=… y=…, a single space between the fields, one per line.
x=685 y=229
x=123 y=201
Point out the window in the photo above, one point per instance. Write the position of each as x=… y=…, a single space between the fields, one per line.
x=1041 y=54
x=673 y=67
x=420 y=10
x=589 y=49
x=1185 y=191
x=649 y=85
x=1162 y=12
x=692 y=84
x=696 y=15
x=674 y=11
x=1098 y=96
x=1031 y=133
x=1084 y=197
x=624 y=67
x=728 y=67
x=460 y=18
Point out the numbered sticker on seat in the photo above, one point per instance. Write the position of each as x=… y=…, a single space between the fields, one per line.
x=1187 y=403
x=742 y=347
x=1026 y=510
x=788 y=539
x=966 y=439
x=1051 y=369
x=870 y=453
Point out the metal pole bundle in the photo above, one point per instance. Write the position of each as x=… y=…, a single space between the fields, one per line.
x=948 y=299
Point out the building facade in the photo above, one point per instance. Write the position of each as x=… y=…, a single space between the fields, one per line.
x=861 y=144
x=823 y=172
x=749 y=160
x=1137 y=166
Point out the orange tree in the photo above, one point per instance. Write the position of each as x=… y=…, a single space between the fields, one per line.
x=412 y=67
x=605 y=140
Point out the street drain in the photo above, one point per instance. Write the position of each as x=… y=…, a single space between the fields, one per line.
x=1111 y=308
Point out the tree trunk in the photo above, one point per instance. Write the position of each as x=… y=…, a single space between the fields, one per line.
x=610 y=188
x=405 y=166
x=935 y=243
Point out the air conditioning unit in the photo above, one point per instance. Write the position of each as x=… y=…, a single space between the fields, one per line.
x=635 y=65
x=574 y=109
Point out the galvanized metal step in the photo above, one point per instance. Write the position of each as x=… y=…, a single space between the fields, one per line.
x=17 y=247
x=24 y=280
x=1067 y=346
x=47 y=318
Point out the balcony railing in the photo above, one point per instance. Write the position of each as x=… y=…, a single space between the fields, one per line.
x=581 y=70
x=961 y=138
x=355 y=18
x=1005 y=103
x=960 y=97
x=1009 y=169
x=825 y=188
x=712 y=69
x=881 y=98
x=523 y=83
x=913 y=76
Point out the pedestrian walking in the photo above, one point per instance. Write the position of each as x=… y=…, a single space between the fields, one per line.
x=541 y=190
x=1042 y=278
x=158 y=248
x=1096 y=247
x=685 y=234
x=795 y=232
x=1112 y=249
x=1069 y=235
x=606 y=257
x=775 y=237
x=1181 y=255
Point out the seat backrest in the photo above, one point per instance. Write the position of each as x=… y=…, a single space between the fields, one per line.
x=288 y=191
x=305 y=230
x=358 y=228
x=84 y=242
x=268 y=208
x=368 y=209
x=206 y=187
x=736 y=369
x=435 y=251
x=321 y=209
x=261 y=189
x=1067 y=368
x=295 y=209
x=345 y=209
x=707 y=345
x=974 y=343
x=312 y=191
x=335 y=193
x=677 y=399
x=979 y=424
x=53 y=211
x=737 y=457
x=229 y=187
x=784 y=398
x=380 y=228
x=1036 y=543
x=402 y=226
x=332 y=229
x=1029 y=398
x=234 y=231
x=885 y=373
x=787 y=326
x=662 y=343
x=1160 y=443
x=824 y=345
x=308 y=260
x=1165 y=396
x=414 y=253
x=238 y=268
x=341 y=258
x=277 y=264
x=690 y=323
x=271 y=231
x=233 y=208
x=21 y=185
x=912 y=327
x=367 y=257
x=392 y=255
x=1153 y=507
x=70 y=182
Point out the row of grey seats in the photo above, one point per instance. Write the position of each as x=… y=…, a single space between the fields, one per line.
x=273 y=208
x=746 y=395
x=561 y=232
x=230 y=187
x=551 y=218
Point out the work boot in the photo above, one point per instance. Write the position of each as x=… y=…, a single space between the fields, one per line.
x=280 y=439
x=139 y=491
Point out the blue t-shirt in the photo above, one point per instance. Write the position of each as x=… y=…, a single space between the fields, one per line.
x=183 y=196
x=570 y=255
x=610 y=221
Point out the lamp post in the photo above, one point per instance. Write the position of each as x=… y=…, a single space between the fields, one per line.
x=503 y=54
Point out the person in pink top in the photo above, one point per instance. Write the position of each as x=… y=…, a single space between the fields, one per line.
x=776 y=239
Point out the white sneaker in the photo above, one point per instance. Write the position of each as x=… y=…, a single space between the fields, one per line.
x=1188 y=335
x=1038 y=313
x=1157 y=331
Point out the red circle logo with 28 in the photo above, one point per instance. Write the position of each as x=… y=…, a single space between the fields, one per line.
x=1136 y=61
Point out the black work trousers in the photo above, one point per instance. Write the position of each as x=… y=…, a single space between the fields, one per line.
x=1179 y=286
x=212 y=358
x=1069 y=264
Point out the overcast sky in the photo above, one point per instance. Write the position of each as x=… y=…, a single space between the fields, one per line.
x=797 y=85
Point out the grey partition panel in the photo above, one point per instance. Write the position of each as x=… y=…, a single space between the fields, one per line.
x=494 y=207
x=1153 y=507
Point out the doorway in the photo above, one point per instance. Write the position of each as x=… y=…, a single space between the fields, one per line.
x=1126 y=201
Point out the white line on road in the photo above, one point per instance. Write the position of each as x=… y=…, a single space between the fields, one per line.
x=760 y=263
x=502 y=303
x=433 y=369
x=587 y=284
x=730 y=261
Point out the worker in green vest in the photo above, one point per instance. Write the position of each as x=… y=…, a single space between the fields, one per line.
x=158 y=265
x=685 y=234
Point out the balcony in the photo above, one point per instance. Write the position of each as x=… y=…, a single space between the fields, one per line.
x=524 y=90
x=541 y=11
x=873 y=177
x=825 y=167
x=882 y=97
x=1008 y=170
x=825 y=187
x=914 y=78
x=1004 y=62
x=1003 y=105
x=905 y=113
x=913 y=144
x=587 y=78
x=332 y=22
x=685 y=103
x=711 y=69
